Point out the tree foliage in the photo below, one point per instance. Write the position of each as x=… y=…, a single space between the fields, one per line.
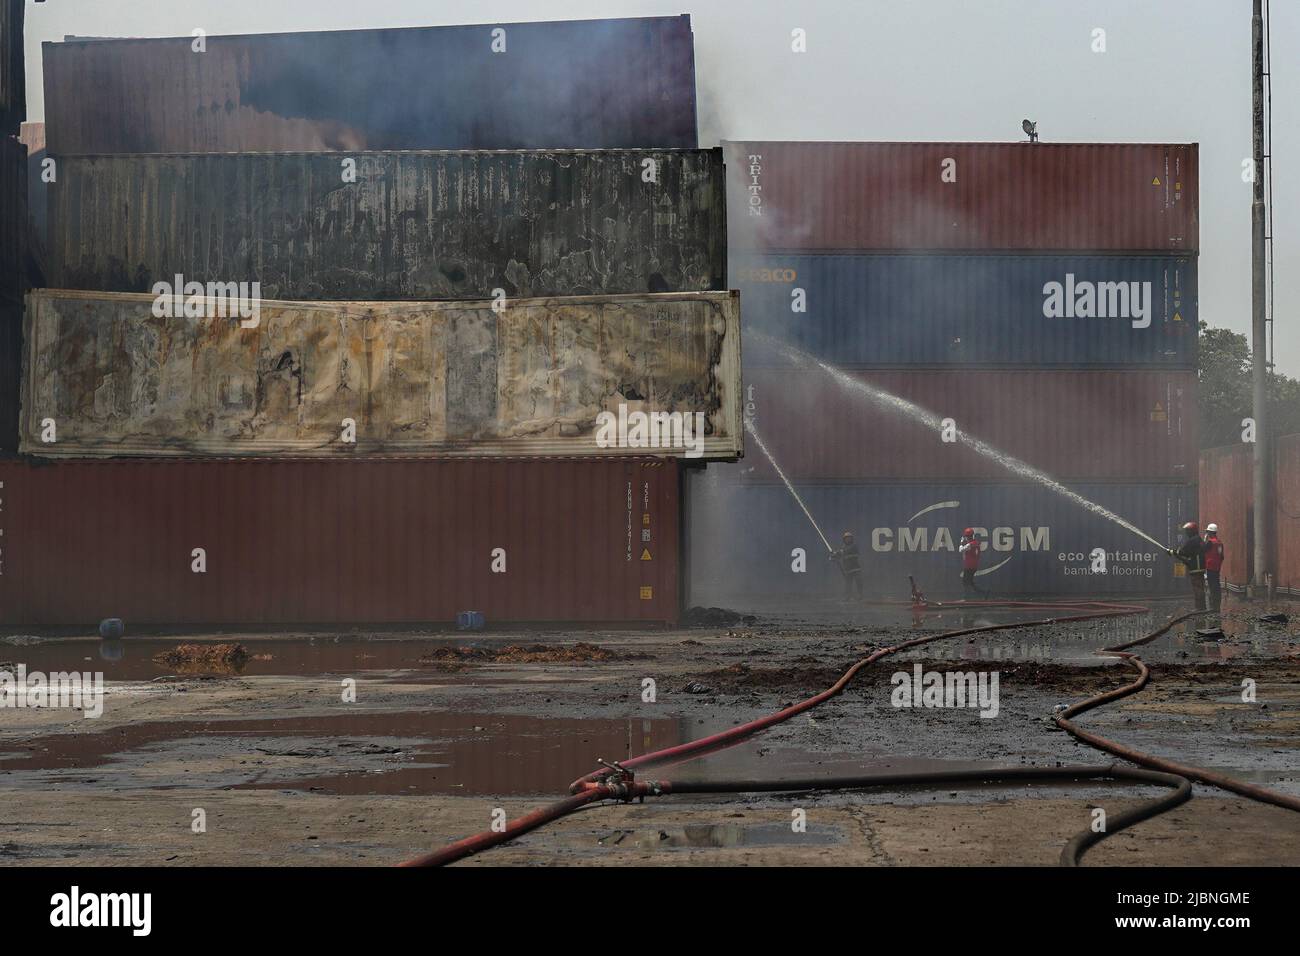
x=1225 y=390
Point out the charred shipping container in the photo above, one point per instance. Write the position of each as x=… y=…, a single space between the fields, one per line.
x=124 y=374
x=291 y=542
x=593 y=84
x=976 y=197
x=999 y=310
x=13 y=75
x=409 y=225
x=1134 y=425
x=745 y=541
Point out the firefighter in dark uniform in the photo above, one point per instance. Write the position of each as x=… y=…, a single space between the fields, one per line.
x=1213 y=565
x=850 y=566
x=1192 y=553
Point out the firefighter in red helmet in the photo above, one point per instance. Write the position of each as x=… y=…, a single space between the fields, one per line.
x=1192 y=553
x=970 y=560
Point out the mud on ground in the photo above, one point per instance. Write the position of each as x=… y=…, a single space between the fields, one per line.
x=281 y=767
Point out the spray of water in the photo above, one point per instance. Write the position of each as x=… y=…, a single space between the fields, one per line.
x=749 y=427
x=902 y=406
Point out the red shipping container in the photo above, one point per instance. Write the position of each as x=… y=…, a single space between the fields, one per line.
x=1227 y=499
x=974 y=196
x=298 y=542
x=1085 y=424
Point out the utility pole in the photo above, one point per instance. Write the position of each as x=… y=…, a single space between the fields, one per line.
x=1263 y=471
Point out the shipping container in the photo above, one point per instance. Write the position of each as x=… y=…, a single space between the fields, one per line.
x=125 y=374
x=592 y=84
x=1130 y=197
x=14 y=221
x=748 y=542
x=1135 y=425
x=431 y=225
x=32 y=135
x=294 y=542
x=883 y=310
x=11 y=331
x=1228 y=499
x=13 y=70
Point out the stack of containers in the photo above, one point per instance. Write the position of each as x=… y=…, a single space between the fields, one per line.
x=1041 y=297
x=565 y=165
x=13 y=218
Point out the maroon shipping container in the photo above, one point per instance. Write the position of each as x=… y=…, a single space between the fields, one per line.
x=1086 y=424
x=971 y=196
x=1227 y=499
x=295 y=542
x=1286 y=508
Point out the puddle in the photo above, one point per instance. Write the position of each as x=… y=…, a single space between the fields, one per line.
x=404 y=753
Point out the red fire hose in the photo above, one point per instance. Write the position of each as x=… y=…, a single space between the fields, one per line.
x=617 y=781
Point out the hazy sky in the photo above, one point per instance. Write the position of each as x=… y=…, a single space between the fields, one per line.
x=1173 y=71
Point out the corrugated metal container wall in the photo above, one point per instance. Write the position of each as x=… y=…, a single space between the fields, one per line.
x=412 y=226
x=13 y=219
x=972 y=196
x=307 y=542
x=13 y=71
x=882 y=310
x=1227 y=499
x=11 y=347
x=741 y=538
x=1135 y=425
x=438 y=379
x=578 y=83
x=1286 y=460
x=32 y=135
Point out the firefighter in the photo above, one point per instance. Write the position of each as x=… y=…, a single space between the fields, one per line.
x=1213 y=565
x=1192 y=553
x=970 y=560
x=850 y=566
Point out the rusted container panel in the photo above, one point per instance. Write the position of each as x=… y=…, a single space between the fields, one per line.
x=578 y=83
x=1227 y=499
x=418 y=225
x=13 y=75
x=1286 y=459
x=1000 y=310
x=971 y=196
x=743 y=538
x=14 y=221
x=1134 y=425
x=434 y=378
x=295 y=542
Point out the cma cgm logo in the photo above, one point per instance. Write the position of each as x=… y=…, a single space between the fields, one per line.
x=1098 y=300
x=942 y=539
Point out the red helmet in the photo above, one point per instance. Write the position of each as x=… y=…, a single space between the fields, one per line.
x=968 y=533
x=1192 y=528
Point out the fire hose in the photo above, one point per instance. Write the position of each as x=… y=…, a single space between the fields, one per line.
x=617 y=780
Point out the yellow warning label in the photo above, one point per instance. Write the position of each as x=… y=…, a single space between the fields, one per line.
x=645 y=554
x=1180 y=570
x=1156 y=181
x=647 y=593
x=1178 y=316
x=1158 y=413
x=1177 y=186
x=645 y=520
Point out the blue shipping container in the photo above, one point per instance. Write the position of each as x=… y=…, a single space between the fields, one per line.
x=744 y=539
x=883 y=310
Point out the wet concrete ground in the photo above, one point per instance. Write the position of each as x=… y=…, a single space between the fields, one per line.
x=286 y=771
